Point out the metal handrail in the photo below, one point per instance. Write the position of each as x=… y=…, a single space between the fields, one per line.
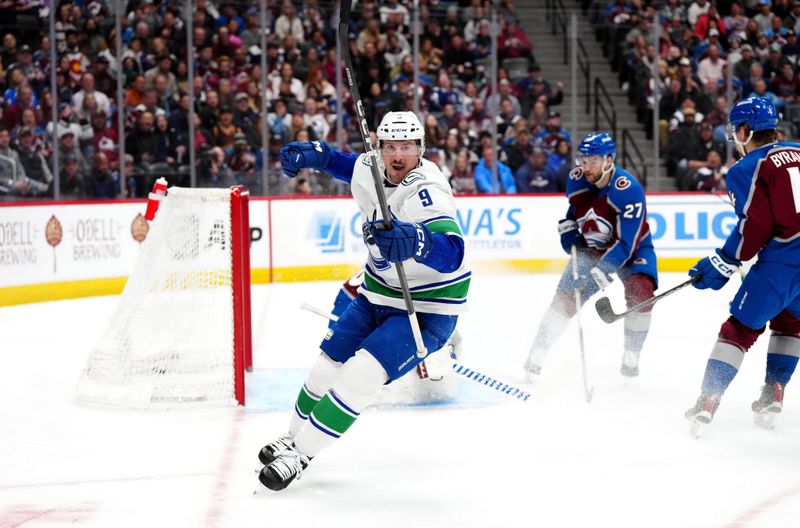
x=556 y=13
x=585 y=67
x=629 y=146
x=560 y=19
x=609 y=115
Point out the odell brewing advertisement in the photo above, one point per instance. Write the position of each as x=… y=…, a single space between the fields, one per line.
x=46 y=243
x=53 y=243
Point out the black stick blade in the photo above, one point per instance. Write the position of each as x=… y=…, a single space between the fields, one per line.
x=605 y=311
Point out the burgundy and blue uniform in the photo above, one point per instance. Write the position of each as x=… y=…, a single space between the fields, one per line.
x=606 y=230
x=613 y=222
x=764 y=187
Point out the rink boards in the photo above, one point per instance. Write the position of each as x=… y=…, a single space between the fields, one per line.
x=57 y=250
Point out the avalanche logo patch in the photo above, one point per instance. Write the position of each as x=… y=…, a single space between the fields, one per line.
x=576 y=173
x=640 y=261
x=597 y=231
x=622 y=183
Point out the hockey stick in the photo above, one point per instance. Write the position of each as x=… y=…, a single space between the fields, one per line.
x=459 y=368
x=344 y=43
x=587 y=391
x=606 y=312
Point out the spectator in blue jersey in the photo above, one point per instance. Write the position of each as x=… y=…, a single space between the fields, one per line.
x=762 y=185
x=102 y=182
x=484 y=177
x=533 y=176
x=606 y=224
x=552 y=132
x=561 y=155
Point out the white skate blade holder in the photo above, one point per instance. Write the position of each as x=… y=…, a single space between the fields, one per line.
x=696 y=428
x=764 y=420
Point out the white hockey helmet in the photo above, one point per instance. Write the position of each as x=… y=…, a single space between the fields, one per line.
x=397 y=126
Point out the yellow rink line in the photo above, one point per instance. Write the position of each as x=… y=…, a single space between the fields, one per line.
x=53 y=291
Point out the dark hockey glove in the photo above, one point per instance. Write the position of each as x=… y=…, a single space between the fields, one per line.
x=403 y=241
x=713 y=271
x=304 y=155
x=570 y=234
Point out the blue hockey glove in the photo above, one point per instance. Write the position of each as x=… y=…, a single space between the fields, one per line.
x=304 y=155
x=713 y=271
x=403 y=241
x=570 y=234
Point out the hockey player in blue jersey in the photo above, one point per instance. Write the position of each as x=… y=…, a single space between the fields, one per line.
x=372 y=343
x=764 y=186
x=607 y=223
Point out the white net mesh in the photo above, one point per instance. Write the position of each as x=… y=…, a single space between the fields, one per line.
x=170 y=341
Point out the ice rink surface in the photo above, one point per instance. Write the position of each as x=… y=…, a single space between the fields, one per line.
x=479 y=460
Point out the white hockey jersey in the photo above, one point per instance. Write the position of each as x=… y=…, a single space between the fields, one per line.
x=425 y=197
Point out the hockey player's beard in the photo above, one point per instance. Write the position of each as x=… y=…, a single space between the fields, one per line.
x=396 y=171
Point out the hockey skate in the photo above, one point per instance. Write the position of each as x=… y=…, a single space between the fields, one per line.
x=630 y=364
x=768 y=405
x=271 y=451
x=287 y=466
x=702 y=413
x=533 y=365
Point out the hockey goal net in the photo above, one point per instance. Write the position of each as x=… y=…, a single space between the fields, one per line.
x=181 y=332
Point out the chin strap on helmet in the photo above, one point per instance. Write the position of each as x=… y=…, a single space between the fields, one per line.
x=740 y=145
x=605 y=172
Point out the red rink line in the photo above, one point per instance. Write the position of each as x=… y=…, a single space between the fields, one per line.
x=17 y=516
x=222 y=480
x=743 y=520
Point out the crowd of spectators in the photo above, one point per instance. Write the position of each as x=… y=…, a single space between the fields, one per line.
x=700 y=42
x=454 y=90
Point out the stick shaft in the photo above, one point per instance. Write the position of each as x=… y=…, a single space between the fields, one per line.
x=323 y=313
x=587 y=391
x=344 y=16
x=655 y=299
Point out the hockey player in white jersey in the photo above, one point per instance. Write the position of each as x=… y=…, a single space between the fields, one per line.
x=372 y=342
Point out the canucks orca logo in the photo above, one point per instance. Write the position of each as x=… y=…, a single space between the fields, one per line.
x=596 y=230
x=412 y=177
x=327 y=232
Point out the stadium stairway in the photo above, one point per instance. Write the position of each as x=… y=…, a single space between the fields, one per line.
x=549 y=52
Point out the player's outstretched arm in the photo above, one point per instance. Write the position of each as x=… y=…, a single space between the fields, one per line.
x=316 y=155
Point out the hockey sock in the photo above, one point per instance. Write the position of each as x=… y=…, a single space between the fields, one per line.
x=637 y=324
x=722 y=367
x=319 y=380
x=551 y=328
x=783 y=353
x=360 y=378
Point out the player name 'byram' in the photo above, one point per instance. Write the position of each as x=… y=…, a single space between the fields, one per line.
x=785 y=156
